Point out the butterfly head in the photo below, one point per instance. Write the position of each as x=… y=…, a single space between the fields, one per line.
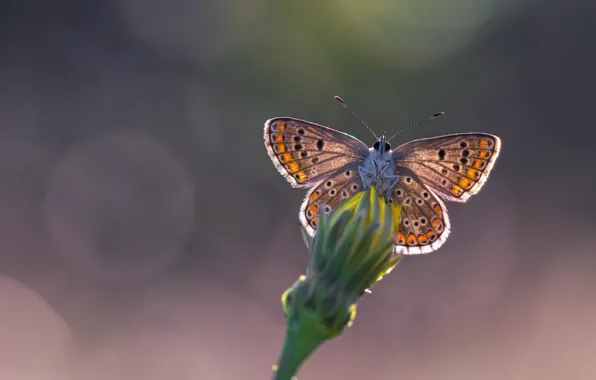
x=381 y=145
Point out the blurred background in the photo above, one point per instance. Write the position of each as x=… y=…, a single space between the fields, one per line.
x=146 y=234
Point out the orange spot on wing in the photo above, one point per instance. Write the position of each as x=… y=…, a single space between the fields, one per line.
x=313 y=209
x=300 y=176
x=478 y=164
x=411 y=239
x=483 y=143
x=436 y=222
x=281 y=126
x=473 y=173
x=285 y=157
x=401 y=239
x=483 y=154
x=422 y=240
x=430 y=234
x=456 y=190
x=277 y=137
x=293 y=167
x=281 y=148
x=437 y=209
x=464 y=182
x=313 y=197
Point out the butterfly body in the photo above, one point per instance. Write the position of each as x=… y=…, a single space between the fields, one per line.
x=378 y=169
x=414 y=177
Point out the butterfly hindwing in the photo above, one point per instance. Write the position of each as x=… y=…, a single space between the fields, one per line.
x=305 y=153
x=454 y=166
x=424 y=224
x=329 y=193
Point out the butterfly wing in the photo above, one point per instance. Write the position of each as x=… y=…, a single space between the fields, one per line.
x=424 y=224
x=329 y=193
x=305 y=153
x=454 y=166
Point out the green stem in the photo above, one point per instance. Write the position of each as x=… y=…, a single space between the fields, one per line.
x=303 y=335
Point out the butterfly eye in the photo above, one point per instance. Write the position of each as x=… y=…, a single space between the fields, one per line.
x=377 y=146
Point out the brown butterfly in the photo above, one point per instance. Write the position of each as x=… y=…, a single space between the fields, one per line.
x=416 y=175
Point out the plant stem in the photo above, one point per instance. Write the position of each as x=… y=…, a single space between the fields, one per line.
x=304 y=334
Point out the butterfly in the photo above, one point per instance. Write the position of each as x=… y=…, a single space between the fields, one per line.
x=417 y=175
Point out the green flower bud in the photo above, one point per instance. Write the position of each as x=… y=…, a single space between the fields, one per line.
x=351 y=250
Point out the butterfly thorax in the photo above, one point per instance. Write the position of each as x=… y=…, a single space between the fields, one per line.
x=378 y=170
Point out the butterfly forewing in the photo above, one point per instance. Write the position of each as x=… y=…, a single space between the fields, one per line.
x=306 y=153
x=424 y=224
x=454 y=166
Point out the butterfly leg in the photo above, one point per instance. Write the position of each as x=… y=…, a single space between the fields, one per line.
x=385 y=167
x=367 y=176
x=394 y=178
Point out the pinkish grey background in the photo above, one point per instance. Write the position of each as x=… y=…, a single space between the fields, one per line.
x=145 y=234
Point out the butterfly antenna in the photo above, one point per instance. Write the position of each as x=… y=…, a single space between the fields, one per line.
x=417 y=124
x=353 y=114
